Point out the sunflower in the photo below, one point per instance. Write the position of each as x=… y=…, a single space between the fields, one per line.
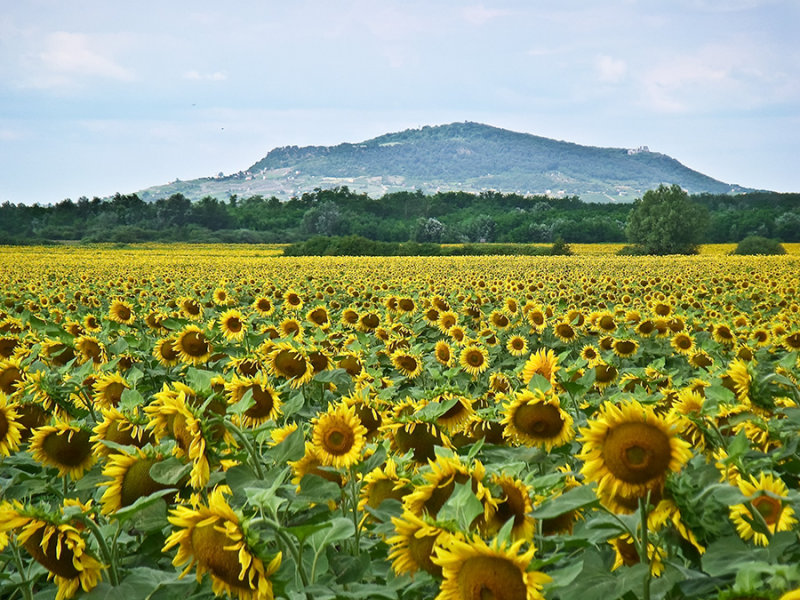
x=119 y=429
x=192 y=346
x=682 y=343
x=55 y=544
x=319 y=316
x=410 y=365
x=688 y=410
x=604 y=321
x=267 y=403
x=628 y=449
x=165 y=352
x=517 y=345
x=382 y=483
x=741 y=379
x=292 y=301
x=311 y=464
x=263 y=306
x=444 y=353
x=768 y=496
x=514 y=503
x=499 y=320
x=171 y=415
x=474 y=359
x=565 y=332
x=290 y=363
x=221 y=297
x=544 y=362
x=411 y=548
x=90 y=349
x=701 y=360
x=625 y=348
x=626 y=553
x=291 y=328
x=723 y=335
x=338 y=436
x=214 y=538
x=10 y=427
x=590 y=354
x=368 y=322
x=473 y=570
x=534 y=418
x=121 y=312
x=66 y=447
x=446 y=320
x=108 y=389
x=419 y=437
x=233 y=325
x=537 y=319
x=191 y=308
x=129 y=476
x=499 y=382
x=92 y=323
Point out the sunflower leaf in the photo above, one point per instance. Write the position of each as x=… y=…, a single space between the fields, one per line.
x=579 y=497
x=130 y=400
x=170 y=471
x=245 y=403
x=539 y=382
x=141 y=503
x=462 y=507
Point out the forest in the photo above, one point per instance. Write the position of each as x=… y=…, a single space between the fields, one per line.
x=443 y=217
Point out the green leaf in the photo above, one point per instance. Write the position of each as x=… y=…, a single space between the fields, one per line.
x=579 y=497
x=130 y=400
x=338 y=377
x=127 y=512
x=170 y=471
x=462 y=506
x=199 y=380
x=245 y=403
x=336 y=530
x=538 y=382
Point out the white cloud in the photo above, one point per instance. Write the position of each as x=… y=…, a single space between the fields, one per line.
x=67 y=58
x=610 y=70
x=478 y=15
x=197 y=76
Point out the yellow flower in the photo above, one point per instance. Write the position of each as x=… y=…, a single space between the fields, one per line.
x=290 y=363
x=517 y=345
x=514 y=502
x=534 y=418
x=629 y=450
x=443 y=353
x=233 y=325
x=338 y=436
x=121 y=312
x=411 y=547
x=108 y=389
x=10 y=427
x=410 y=365
x=65 y=447
x=768 y=496
x=192 y=345
x=544 y=362
x=130 y=480
x=474 y=570
x=474 y=360
x=213 y=538
x=267 y=402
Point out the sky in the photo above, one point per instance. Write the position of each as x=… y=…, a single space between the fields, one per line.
x=99 y=97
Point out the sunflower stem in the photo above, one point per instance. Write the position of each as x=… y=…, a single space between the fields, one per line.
x=254 y=458
x=25 y=584
x=354 y=500
x=113 y=575
x=644 y=506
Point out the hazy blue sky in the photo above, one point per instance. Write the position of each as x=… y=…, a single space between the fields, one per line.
x=98 y=97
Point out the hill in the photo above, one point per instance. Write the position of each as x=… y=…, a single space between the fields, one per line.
x=460 y=156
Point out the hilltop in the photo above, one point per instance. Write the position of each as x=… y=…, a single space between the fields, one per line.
x=460 y=156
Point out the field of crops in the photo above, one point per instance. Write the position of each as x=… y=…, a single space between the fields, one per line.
x=200 y=421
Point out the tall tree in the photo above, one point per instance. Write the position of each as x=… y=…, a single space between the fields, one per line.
x=667 y=221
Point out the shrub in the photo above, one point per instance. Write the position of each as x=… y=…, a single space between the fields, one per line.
x=755 y=244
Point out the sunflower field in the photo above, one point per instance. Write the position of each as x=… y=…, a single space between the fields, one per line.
x=202 y=421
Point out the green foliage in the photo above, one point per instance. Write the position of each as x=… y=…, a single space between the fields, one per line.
x=561 y=248
x=667 y=221
x=755 y=244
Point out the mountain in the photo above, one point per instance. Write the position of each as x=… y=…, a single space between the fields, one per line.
x=459 y=156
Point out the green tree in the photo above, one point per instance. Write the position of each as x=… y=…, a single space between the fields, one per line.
x=667 y=221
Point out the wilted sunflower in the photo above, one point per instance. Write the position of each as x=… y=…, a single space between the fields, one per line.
x=192 y=345
x=290 y=363
x=267 y=403
x=410 y=365
x=474 y=359
x=233 y=325
x=628 y=449
x=129 y=476
x=10 y=428
x=56 y=545
x=768 y=496
x=338 y=436
x=544 y=362
x=411 y=548
x=121 y=311
x=65 y=447
x=214 y=538
x=473 y=570
x=108 y=389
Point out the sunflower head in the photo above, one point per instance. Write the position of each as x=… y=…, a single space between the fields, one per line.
x=534 y=418
x=10 y=427
x=193 y=346
x=233 y=325
x=474 y=359
x=338 y=436
x=66 y=447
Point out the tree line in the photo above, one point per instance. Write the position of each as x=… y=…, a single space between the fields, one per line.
x=443 y=217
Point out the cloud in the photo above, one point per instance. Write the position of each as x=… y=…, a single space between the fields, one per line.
x=478 y=15
x=67 y=58
x=610 y=70
x=197 y=76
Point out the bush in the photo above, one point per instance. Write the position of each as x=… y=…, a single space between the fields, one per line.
x=561 y=248
x=755 y=244
x=632 y=250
